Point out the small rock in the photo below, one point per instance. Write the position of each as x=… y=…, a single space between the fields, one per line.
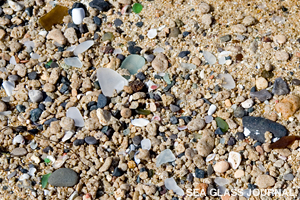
x=20 y=108
x=15 y=5
x=204 y=8
x=240 y=136
x=239 y=28
x=282 y=56
x=207 y=19
x=199 y=173
x=296 y=82
x=35 y=114
x=225 y=38
x=288 y=106
x=174 y=120
x=174 y=108
x=280 y=87
x=160 y=63
x=77 y=15
x=91 y=140
x=221 y=166
x=248 y=21
x=100 y=5
x=239 y=112
x=248 y=103
x=137 y=140
x=212 y=109
x=32 y=75
x=57 y=36
x=261 y=95
x=19 y=152
x=78 y=142
x=239 y=173
x=126 y=112
x=231 y=141
x=196 y=124
x=118 y=22
x=288 y=177
x=206 y=144
x=102 y=101
x=183 y=54
x=210 y=170
x=174 y=32
x=63 y=177
x=35 y=96
x=67 y=123
x=219 y=131
x=280 y=39
x=117 y=172
x=261 y=83
x=3 y=106
x=265 y=181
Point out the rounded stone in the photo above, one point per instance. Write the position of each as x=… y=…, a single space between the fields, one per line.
x=160 y=63
x=126 y=112
x=265 y=181
x=3 y=106
x=67 y=123
x=63 y=177
x=137 y=140
x=288 y=177
x=248 y=103
x=174 y=32
x=239 y=112
x=204 y=8
x=91 y=140
x=78 y=142
x=221 y=166
x=19 y=152
x=281 y=56
x=248 y=21
x=239 y=173
x=280 y=39
x=102 y=101
x=261 y=83
x=35 y=96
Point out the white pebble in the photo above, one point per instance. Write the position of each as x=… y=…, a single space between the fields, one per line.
x=15 y=6
x=19 y=139
x=152 y=33
x=140 y=122
x=67 y=136
x=210 y=157
x=234 y=159
x=77 y=15
x=146 y=144
x=212 y=109
x=24 y=177
x=248 y=103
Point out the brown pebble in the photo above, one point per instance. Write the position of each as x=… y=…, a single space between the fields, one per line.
x=288 y=106
x=221 y=166
x=136 y=85
x=128 y=89
x=126 y=112
x=3 y=106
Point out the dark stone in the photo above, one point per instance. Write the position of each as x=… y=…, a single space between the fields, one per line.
x=97 y=20
x=199 y=173
x=149 y=57
x=217 y=88
x=141 y=76
x=219 y=132
x=48 y=122
x=78 y=142
x=231 y=141
x=239 y=112
x=187 y=77
x=174 y=108
x=42 y=106
x=251 y=186
x=117 y=172
x=102 y=101
x=63 y=177
x=35 y=114
x=20 y=108
x=210 y=170
x=139 y=24
x=225 y=38
x=141 y=37
x=54 y=65
x=21 y=129
x=190 y=177
x=137 y=140
x=296 y=82
x=83 y=28
x=240 y=136
x=24 y=171
x=134 y=49
x=100 y=5
x=169 y=86
x=173 y=136
x=183 y=54
x=64 y=88
x=60 y=49
x=91 y=140
x=267 y=74
x=118 y=22
x=121 y=57
x=33 y=131
x=280 y=87
x=108 y=131
x=65 y=80
x=186 y=119
x=48 y=99
x=72 y=25
x=257 y=144
x=257 y=126
x=185 y=33
x=29 y=11
x=32 y=75
x=261 y=95
x=174 y=120
x=91 y=103
x=136 y=85
x=174 y=32
x=47 y=149
x=253 y=89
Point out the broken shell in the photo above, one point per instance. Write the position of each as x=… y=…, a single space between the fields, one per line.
x=234 y=159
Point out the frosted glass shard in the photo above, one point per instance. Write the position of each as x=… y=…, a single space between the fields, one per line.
x=224 y=53
x=146 y=144
x=117 y=51
x=73 y=61
x=12 y=60
x=140 y=122
x=82 y=47
x=8 y=87
x=35 y=56
x=68 y=135
x=133 y=63
x=110 y=80
x=158 y=50
x=164 y=157
x=71 y=48
x=221 y=181
x=75 y=114
x=187 y=66
x=222 y=60
x=170 y=184
x=209 y=57
x=228 y=81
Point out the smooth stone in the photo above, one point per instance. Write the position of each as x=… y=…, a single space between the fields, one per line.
x=63 y=177
x=174 y=32
x=239 y=112
x=91 y=140
x=100 y=5
x=231 y=141
x=141 y=76
x=164 y=157
x=118 y=172
x=221 y=166
x=32 y=75
x=209 y=57
x=183 y=54
x=19 y=152
x=78 y=142
x=35 y=114
x=137 y=140
x=8 y=87
x=20 y=108
x=296 y=82
x=174 y=108
x=199 y=173
x=174 y=120
x=280 y=87
x=265 y=181
x=110 y=80
x=210 y=170
x=288 y=177
x=261 y=95
x=35 y=96
x=118 y=22
x=219 y=132
x=255 y=127
x=160 y=63
x=225 y=38
x=149 y=57
x=102 y=101
x=77 y=15
x=240 y=136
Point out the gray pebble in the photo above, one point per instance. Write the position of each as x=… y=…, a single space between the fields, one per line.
x=174 y=108
x=225 y=38
x=210 y=170
x=137 y=139
x=91 y=140
x=280 y=87
x=239 y=112
x=174 y=32
x=19 y=152
x=288 y=177
x=35 y=96
x=63 y=177
x=261 y=95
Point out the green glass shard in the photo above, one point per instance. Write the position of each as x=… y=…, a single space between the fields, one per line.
x=45 y=180
x=137 y=8
x=222 y=124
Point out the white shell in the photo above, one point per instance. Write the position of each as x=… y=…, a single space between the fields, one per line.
x=234 y=159
x=19 y=139
x=68 y=135
x=140 y=122
x=210 y=157
x=212 y=109
x=77 y=15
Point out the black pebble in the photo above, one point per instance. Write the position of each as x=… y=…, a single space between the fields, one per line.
x=121 y=57
x=42 y=106
x=118 y=172
x=199 y=173
x=60 y=49
x=102 y=101
x=185 y=33
x=64 y=88
x=183 y=54
x=231 y=141
x=33 y=131
x=134 y=49
x=83 y=28
x=139 y=24
x=28 y=11
x=141 y=37
x=118 y=22
x=174 y=108
x=219 y=132
x=240 y=136
x=48 y=122
x=137 y=140
x=141 y=76
x=239 y=112
x=91 y=140
x=174 y=120
x=47 y=149
x=97 y=20
x=257 y=144
x=210 y=170
x=32 y=75
x=100 y=5
x=20 y=129
x=296 y=82
x=78 y=142
x=20 y=108
x=190 y=177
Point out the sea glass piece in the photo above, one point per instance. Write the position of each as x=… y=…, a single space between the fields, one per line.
x=73 y=61
x=137 y=8
x=82 y=47
x=107 y=36
x=75 y=114
x=209 y=57
x=164 y=157
x=228 y=81
x=110 y=80
x=45 y=180
x=8 y=87
x=221 y=181
x=187 y=66
x=146 y=144
x=133 y=63
x=284 y=142
x=12 y=60
x=140 y=122
x=222 y=124
x=55 y=16
x=171 y=184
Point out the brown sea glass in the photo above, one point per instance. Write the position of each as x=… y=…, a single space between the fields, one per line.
x=284 y=142
x=55 y=16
